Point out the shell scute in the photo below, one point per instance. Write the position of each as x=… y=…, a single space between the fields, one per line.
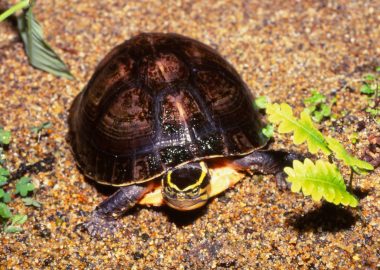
x=128 y=117
x=163 y=69
x=116 y=70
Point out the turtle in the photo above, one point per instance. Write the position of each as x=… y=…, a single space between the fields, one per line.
x=167 y=120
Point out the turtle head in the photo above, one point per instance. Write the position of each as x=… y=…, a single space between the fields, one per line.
x=186 y=187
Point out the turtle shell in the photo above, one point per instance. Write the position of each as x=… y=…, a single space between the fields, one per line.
x=157 y=101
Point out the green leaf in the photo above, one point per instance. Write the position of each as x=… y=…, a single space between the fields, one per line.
x=31 y=202
x=315 y=99
x=5 y=196
x=40 y=54
x=377 y=69
x=39 y=128
x=4 y=174
x=369 y=77
x=13 y=229
x=319 y=180
x=367 y=89
x=325 y=110
x=5 y=136
x=340 y=153
x=20 y=5
x=312 y=108
x=5 y=213
x=18 y=219
x=373 y=112
x=261 y=102
x=268 y=131
x=317 y=107
x=303 y=129
x=23 y=186
x=354 y=138
x=317 y=116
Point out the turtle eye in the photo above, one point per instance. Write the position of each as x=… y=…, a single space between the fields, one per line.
x=194 y=192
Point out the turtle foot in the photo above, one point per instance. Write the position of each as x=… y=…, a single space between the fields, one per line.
x=99 y=226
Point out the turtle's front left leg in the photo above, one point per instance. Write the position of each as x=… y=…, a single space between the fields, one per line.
x=103 y=219
x=269 y=162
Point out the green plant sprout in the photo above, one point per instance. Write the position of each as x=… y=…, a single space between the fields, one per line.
x=11 y=226
x=11 y=223
x=5 y=212
x=28 y=201
x=37 y=130
x=261 y=103
x=304 y=131
x=371 y=88
x=4 y=174
x=268 y=131
x=39 y=52
x=24 y=186
x=317 y=106
x=5 y=136
x=354 y=138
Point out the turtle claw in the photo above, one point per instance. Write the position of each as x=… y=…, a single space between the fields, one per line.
x=281 y=182
x=99 y=226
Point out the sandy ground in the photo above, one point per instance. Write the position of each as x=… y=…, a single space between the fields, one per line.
x=282 y=49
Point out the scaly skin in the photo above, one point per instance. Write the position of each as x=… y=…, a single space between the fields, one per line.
x=269 y=162
x=103 y=219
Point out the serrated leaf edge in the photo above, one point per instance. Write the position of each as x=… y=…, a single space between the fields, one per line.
x=317 y=187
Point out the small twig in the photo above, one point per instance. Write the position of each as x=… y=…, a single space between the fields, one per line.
x=377 y=98
x=361 y=217
x=42 y=165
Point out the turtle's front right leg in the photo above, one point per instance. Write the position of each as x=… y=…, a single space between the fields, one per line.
x=103 y=219
x=269 y=162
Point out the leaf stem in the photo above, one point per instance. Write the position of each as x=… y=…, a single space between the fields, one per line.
x=351 y=177
x=377 y=99
x=28 y=16
x=20 y=5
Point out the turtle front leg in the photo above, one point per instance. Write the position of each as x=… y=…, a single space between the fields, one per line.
x=103 y=219
x=269 y=162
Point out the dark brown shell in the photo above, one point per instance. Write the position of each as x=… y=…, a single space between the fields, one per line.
x=157 y=101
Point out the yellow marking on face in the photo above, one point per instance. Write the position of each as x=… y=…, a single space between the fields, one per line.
x=198 y=183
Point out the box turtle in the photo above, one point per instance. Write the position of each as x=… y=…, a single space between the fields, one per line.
x=169 y=121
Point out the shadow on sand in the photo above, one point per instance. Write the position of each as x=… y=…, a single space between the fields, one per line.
x=328 y=217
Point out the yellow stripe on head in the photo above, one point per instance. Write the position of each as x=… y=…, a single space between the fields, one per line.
x=198 y=183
